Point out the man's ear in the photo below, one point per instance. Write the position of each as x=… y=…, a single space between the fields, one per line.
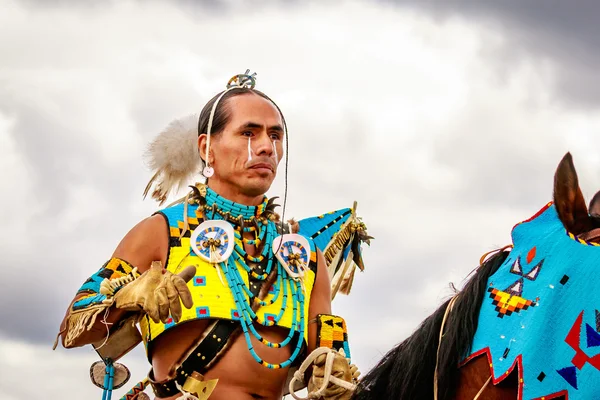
x=202 y=139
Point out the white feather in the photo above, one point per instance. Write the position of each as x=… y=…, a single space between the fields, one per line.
x=173 y=157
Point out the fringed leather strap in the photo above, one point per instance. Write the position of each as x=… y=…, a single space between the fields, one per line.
x=483 y=387
x=437 y=356
x=435 y=375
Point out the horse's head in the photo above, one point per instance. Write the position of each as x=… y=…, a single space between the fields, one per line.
x=408 y=370
x=570 y=204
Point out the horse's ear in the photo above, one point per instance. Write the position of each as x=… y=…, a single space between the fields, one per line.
x=594 y=209
x=568 y=198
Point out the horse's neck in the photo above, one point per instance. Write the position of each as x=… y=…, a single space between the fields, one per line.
x=590 y=236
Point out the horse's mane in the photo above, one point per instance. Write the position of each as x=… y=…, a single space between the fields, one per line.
x=406 y=371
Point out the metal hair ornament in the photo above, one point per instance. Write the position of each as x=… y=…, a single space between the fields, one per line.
x=245 y=81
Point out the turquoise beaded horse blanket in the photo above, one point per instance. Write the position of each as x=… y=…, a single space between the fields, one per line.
x=541 y=313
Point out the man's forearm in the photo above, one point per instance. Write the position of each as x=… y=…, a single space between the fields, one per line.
x=99 y=330
x=91 y=315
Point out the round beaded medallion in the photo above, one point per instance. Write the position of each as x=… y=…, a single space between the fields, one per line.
x=213 y=241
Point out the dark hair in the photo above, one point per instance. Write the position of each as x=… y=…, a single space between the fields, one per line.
x=223 y=113
x=407 y=371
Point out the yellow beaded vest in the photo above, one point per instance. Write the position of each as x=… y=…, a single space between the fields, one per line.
x=212 y=297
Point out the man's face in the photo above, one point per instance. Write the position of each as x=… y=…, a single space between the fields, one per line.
x=245 y=155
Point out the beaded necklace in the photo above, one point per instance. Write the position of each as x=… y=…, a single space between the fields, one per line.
x=258 y=220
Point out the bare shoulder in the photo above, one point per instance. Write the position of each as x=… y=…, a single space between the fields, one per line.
x=146 y=242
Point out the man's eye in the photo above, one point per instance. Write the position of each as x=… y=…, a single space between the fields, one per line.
x=247 y=133
x=275 y=136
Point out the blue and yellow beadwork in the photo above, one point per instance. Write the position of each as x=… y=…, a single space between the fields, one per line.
x=332 y=333
x=287 y=301
x=91 y=302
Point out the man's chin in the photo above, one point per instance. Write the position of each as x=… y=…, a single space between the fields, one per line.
x=257 y=186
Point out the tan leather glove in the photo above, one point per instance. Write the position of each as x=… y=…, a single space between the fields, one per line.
x=157 y=293
x=341 y=369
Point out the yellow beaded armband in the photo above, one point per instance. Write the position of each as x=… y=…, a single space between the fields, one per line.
x=332 y=333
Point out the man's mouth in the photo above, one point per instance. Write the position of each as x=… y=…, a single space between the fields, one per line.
x=263 y=167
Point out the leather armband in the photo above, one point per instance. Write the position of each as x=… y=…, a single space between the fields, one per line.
x=96 y=296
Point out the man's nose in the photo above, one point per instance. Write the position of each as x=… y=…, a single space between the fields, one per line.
x=263 y=145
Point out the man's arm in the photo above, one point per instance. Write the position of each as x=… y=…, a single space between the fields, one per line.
x=145 y=243
x=340 y=384
x=320 y=300
x=148 y=241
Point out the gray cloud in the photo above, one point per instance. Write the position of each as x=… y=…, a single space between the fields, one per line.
x=565 y=33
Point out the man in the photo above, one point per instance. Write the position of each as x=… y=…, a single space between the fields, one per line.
x=258 y=300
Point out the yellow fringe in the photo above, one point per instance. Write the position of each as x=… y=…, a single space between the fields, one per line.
x=338 y=243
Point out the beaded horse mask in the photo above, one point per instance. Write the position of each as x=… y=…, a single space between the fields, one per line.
x=541 y=313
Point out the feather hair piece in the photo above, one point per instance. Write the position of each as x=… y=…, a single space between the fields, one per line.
x=174 y=158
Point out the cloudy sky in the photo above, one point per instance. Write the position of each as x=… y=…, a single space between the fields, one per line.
x=445 y=121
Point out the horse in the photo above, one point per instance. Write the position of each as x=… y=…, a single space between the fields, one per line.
x=432 y=364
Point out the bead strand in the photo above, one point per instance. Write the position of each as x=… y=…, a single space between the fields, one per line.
x=247 y=328
x=247 y=219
